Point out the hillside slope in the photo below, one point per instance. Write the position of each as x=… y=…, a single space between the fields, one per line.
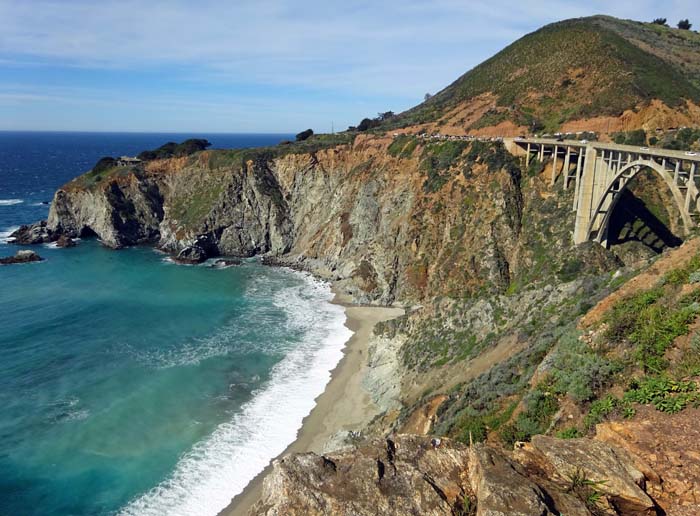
x=572 y=70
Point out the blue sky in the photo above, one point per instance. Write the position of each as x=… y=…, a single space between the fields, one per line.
x=254 y=66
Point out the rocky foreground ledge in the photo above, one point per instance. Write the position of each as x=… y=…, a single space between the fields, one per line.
x=420 y=475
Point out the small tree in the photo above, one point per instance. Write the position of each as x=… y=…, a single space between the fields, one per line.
x=427 y=96
x=367 y=123
x=304 y=135
x=660 y=21
x=684 y=24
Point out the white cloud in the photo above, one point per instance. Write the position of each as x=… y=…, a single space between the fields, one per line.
x=391 y=51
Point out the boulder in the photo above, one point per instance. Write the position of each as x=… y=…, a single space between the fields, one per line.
x=500 y=489
x=65 y=241
x=589 y=464
x=404 y=475
x=191 y=255
x=37 y=233
x=22 y=256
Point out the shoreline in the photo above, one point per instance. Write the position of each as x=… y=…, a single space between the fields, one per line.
x=344 y=403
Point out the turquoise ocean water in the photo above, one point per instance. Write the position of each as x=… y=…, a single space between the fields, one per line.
x=131 y=385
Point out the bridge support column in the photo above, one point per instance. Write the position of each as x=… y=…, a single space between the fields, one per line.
x=577 y=181
x=586 y=196
x=554 y=165
x=565 y=173
x=527 y=158
x=691 y=191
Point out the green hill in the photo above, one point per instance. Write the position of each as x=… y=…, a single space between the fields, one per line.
x=574 y=69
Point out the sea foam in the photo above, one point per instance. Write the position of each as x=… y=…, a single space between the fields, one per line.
x=5 y=235
x=219 y=467
x=10 y=202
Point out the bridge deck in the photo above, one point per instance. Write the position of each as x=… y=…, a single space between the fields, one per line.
x=632 y=149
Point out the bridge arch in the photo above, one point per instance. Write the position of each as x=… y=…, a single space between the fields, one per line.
x=600 y=221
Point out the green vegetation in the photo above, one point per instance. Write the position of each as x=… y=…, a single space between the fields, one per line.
x=637 y=137
x=370 y=123
x=569 y=433
x=540 y=405
x=436 y=161
x=403 y=146
x=579 y=68
x=588 y=491
x=192 y=208
x=175 y=150
x=104 y=164
x=579 y=371
x=684 y=139
x=304 y=135
x=650 y=325
x=664 y=393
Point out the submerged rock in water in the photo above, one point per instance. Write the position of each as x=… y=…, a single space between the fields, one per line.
x=22 y=256
x=225 y=262
x=191 y=255
x=65 y=241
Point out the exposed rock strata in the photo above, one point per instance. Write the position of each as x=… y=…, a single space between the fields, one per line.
x=418 y=475
x=354 y=214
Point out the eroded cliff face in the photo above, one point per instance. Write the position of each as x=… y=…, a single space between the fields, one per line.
x=388 y=226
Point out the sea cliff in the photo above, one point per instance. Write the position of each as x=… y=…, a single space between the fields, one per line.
x=474 y=245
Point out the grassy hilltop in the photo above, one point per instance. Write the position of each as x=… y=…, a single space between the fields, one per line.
x=570 y=70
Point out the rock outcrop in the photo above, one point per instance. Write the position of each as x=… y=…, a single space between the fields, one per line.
x=665 y=447
x=22 y=256
x=419 y=475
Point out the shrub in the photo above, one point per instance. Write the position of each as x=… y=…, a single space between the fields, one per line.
x=665 y=394
x=304 y=135
x=540 y=405
x=578 y=371
x=599 y=410
x=472 y=427
x=660 y=21
x=685 y=24
x=172 y=149
x=569 y=433
x=104 y=164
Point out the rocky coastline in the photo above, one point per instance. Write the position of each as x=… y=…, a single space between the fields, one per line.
x=463 y=248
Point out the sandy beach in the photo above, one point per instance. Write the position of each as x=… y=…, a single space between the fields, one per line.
x=344 y=405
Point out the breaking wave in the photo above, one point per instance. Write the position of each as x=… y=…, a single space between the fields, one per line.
x=219 y=467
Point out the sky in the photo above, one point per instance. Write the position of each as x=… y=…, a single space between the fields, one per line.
x=255 y=66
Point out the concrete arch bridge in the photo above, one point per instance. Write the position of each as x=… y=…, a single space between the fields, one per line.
x=599 y=172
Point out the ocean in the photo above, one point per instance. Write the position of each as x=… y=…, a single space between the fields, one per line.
x=132 y=385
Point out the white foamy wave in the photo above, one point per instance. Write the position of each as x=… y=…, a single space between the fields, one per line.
x=219 y=467
x=188 y=354
x=5 y=235
x=10 y=202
